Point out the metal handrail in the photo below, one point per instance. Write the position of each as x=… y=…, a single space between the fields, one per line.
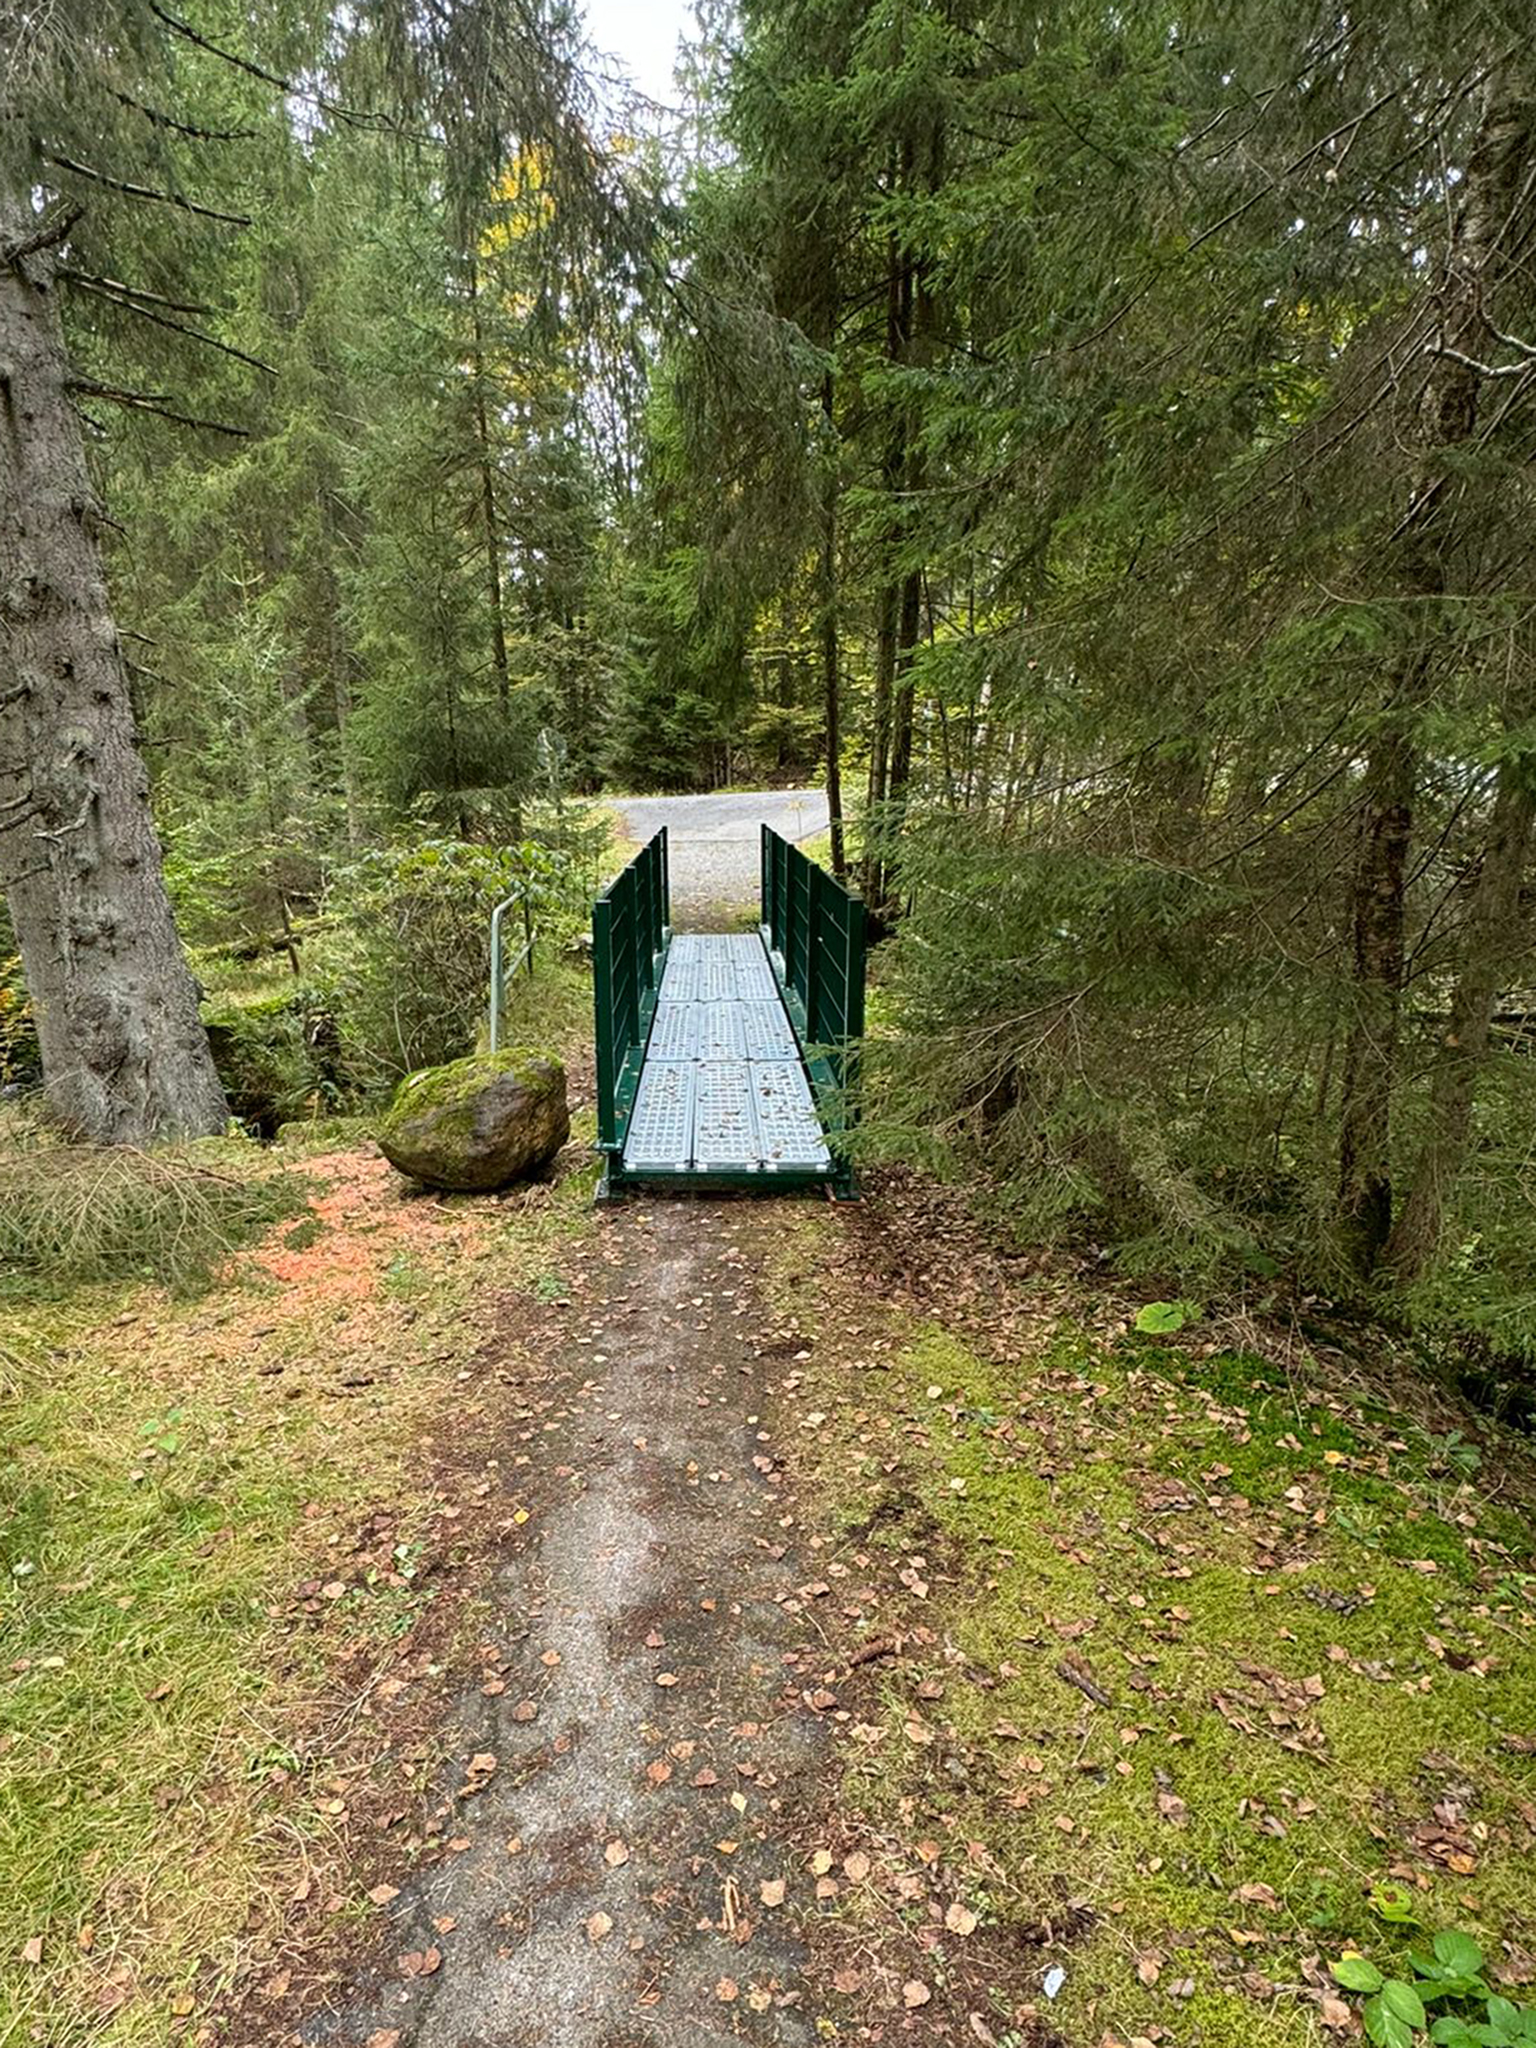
x=501 y=974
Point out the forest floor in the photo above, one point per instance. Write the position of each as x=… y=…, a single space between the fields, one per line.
x=504 y=1620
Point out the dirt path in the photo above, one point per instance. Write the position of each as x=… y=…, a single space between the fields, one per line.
x=603 y=1888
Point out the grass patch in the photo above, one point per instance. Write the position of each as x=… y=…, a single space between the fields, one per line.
x=180 y=1742
x=81 y=1215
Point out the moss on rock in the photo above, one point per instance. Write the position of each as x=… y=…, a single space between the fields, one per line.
x=477 y=1123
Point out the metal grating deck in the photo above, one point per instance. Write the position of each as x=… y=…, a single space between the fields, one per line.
x=723 y=1089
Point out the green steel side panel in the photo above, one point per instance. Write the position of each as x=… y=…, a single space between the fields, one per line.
x=629 y=943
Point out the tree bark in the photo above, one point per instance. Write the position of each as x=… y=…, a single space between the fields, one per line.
x=491 y=525
x=1378 y=919
x=1478 y=254
x=125 y=1056
x=1491 y=939
x=831 y=679
x=908 y=628
x=890 y=600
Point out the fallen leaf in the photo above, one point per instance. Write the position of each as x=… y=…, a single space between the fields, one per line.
x=726 y=1990
x=914 y=1993
x=383 y=1893
x=856 y=1867
x=615 y=1854
x=598 y=1927
x=771 y=1891
x=1172 y=1808
x=959 y=1919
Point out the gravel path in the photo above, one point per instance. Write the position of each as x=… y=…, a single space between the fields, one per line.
x=713 y=842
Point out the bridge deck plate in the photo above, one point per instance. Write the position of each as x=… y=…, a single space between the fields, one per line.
x=723 y=1089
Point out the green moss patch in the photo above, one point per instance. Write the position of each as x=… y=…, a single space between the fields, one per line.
x=1201 y=1656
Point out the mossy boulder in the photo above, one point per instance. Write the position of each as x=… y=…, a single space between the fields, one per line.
x=478 y=1123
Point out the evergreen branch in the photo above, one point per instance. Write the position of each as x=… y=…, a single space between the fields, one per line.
x=125 y=185
x=184 y=127
x=179 y=327
x=46 y=235
x=355 y=117
x=117 y=288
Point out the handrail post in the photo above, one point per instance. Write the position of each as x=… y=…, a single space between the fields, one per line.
x=602 y=990
x=496 y=977
x=813 y=921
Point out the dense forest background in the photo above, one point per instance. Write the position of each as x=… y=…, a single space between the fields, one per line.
x=1096 y=442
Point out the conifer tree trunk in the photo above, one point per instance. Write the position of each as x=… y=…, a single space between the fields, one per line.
x=831 y=679
x=892 y=597
x=1488 y=947
x=1481 y=245
x=491 y=525
x=125 y=1056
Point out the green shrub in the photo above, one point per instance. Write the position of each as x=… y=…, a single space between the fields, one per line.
x=403 y=950
x=20 y=1060
x=278 y=1055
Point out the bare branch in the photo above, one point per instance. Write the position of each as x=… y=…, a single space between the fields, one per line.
x=74 y=824
x=79 y=170
x=178 y=327
x=1513 y=341
x=152 y=401
x=1454 y=355
x=44 y=236
x=133 y=291
x=183 y=127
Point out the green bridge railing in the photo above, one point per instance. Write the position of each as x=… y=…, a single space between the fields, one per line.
x=629 y=942
x=814 y=930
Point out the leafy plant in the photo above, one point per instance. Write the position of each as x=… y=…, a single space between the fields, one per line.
x=1165 y=1318
x=1396 y=2012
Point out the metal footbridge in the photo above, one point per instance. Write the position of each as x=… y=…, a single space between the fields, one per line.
x=728 y=1060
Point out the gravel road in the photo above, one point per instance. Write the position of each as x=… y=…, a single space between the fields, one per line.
x=712 y=842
